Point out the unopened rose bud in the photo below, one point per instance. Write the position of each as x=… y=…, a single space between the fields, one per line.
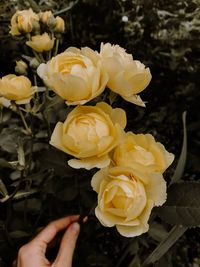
x=34 y=63
x=36 y=27
x=51 y=23
x=21 y=67
x=45 y=16
x=60 y=25
x=48 y=19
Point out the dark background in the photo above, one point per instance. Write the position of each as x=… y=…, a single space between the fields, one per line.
x=164 y=35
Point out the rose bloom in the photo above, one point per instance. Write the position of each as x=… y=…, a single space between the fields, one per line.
x=142 y=152
x=127 y=77
x=126 y=198
x=23 y=21
x=75 y=75
x=16 y=88
x=89 y=133
x=41 y=43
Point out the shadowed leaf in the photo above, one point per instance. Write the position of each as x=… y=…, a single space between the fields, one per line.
x=182 y=205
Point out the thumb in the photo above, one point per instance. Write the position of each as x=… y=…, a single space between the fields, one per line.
x=67 y=246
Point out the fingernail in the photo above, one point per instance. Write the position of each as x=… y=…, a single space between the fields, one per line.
x=75 y=227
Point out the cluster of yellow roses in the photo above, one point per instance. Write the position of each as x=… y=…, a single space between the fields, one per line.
x=41 y=30
x=130 y=182
x=27 y=22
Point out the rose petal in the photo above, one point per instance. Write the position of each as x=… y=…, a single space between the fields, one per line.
x=135 y=99
x=140 y=81
x=90 y=163
x=56 y=137
x=131 y=231
x=97 y=179
x=156 y=189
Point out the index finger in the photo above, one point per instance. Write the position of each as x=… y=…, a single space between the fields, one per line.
x=50 y=231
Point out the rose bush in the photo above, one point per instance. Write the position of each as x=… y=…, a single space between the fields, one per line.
x=127 y=77
x=142 y=152
x=16 y=88
x=75 y=75
x=89 y=133
x=126 y=198
x=130 y=182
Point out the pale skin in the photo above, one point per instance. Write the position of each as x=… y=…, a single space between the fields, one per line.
x=33 y=253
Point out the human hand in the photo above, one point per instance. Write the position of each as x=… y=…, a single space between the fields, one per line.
x=33 y=253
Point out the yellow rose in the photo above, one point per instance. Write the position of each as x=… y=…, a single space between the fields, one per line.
x=23 y=22
x=41 y=43
x=126 y=198
x=142 y=152
x=16 y=88
x=89 y=133
x=127 y=77
x=60 y=25
x=75 y=75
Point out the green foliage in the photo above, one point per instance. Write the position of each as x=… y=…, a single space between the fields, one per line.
x=182 y=205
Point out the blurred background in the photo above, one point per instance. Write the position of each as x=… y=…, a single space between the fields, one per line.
x=165 y=36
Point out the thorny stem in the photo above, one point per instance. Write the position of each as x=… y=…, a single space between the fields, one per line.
x=1 y=114
x=38 y=56
x=31 y=148
x=66 y=8
x=35 y=83
x=24 y=121
x=56 y=47
x=47 y=124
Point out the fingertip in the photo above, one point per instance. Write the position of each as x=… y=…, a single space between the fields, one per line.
x=75 y=227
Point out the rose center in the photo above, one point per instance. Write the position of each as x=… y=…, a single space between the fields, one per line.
x=142 y=156
x=89 y=127
x=66 y=66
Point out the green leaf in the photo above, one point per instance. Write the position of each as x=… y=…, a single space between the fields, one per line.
x=19 y=234
x=5 y=164
x=157 y=231
x=23 y=194
x=8 y=140
x=182 y=205
x=175 y=233
x=135 y=262
x=20 y=154
x=3 y=189
x=182 y=159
